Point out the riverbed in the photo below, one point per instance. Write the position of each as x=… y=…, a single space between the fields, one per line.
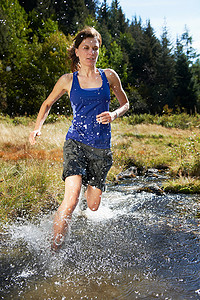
x=136 y=246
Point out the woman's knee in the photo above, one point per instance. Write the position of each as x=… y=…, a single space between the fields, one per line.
x=72 y=193
x=93 y=196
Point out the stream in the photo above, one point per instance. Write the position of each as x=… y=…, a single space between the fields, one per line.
x=136 y=246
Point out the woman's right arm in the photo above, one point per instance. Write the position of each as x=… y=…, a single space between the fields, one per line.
x=62 y=86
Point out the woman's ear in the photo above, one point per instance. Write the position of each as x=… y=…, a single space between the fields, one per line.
x=76 y=52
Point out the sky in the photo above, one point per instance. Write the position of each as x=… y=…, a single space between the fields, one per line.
x=176 y=14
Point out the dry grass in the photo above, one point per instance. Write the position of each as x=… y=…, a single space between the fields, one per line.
x=147 y=145
x=30 y=179
x=14 y=143
x=156 y=146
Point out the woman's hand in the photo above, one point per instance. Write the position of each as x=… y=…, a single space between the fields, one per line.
x=32 y=137
x=106 y=117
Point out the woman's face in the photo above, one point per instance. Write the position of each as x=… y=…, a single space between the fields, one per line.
x=88 y=52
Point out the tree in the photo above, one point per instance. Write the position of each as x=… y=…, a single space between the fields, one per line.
x=44 y=8
x=103 y=60
x=104 y=13
x=195 y=69
x=186 y=98
x=30 y=69
x=165 y=78
x=150 y=49
x=4 y=33
x=117 y=22
x=116 y=59
x=15 y=26
x=135 y=48
x=40 y=78
x=40 y=27
x=71 y=15
x=28 y=5
x=15 y=52
x=34 y=36
x=102 y=26
x=186 y=42
x=92 y=7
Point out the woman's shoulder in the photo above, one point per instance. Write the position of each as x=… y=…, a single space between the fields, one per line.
x=66 y=77
x=111 y=75
x=66 y=81
x=108 y=71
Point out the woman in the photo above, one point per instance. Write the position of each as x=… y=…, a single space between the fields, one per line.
x=87 y=155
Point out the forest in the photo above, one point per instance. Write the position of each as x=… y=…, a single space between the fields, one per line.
x=158 y=77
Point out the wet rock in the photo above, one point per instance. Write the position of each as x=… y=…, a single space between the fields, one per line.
x=152 y=188
x=134 y=171
x=131 y=172
x=152 y=173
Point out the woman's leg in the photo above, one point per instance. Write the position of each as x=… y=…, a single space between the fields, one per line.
x=93 y=196
x=65 y=210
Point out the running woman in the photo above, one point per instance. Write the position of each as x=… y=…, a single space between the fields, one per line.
x=87 y=148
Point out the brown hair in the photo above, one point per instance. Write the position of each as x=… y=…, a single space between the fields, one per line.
x=82 y=35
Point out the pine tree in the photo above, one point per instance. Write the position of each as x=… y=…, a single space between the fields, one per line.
x=102 y=25
x=195 y=69
x=150 y=49
x=165 y=78
x=117 y=22
x=186 y=98
x=186 y=41
x=135 y=49
x=92 y=7
x=71 y=15
x=28 y=5
x=152 y=75
x=103 y=14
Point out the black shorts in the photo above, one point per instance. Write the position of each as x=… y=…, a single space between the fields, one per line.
x=92 y=163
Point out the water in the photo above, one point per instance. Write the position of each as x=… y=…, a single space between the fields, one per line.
x=136 y=246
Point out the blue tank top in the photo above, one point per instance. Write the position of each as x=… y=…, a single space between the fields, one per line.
x=86 y=105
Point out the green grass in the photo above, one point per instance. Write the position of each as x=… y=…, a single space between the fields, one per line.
x=182 y=121
x=183 y=185
x=29 y=187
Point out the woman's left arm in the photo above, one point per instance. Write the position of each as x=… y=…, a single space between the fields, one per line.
x=115 y=84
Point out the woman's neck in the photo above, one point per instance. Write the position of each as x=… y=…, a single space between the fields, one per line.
x=89 y=78
x=87 y=72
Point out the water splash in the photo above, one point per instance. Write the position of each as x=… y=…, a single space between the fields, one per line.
x=137 y=246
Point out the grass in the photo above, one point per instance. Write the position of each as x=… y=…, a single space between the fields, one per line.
x=184 y=185
x=30 y=180
x=28 y=188
x=156 y=146
x=181 y=121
